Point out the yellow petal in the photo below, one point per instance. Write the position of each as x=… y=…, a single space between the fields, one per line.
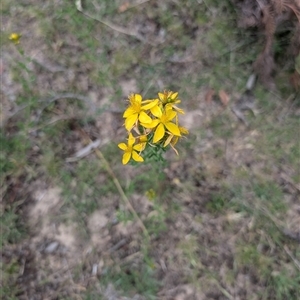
x=173 y=128
x=131 y=98
x=156 y=111
x=171 y=106
x=168 y=140
x=138 y=98
x=128 y=112
x=144 y=118
x=126 y=158
x=174 y=96
x=159 y=133
x=150 y=105
x=161 y=96
x=153 y=124
x=122 y=146
x=174 y=140
x=139 y=147
x=137 y=157
x=168 y=107
x=131 y=140
x=170 y=115
x=129 y=122
x=147 y=101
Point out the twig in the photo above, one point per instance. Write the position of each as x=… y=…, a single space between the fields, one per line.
x=110 y=25
x=290 y=181
x=121 y=191
x=74 y=285
x=225 y=292
x=54 y=120
x=47 y=67
x=64 y=96
x=118 y=186
x=53 y=99
x=130 y=257
x=17 y=110
x=280 y=226
x=118 y=245
x=292 y=235
x=284 y=112
x=151 y=82
x=289 y=253
x=68 y=271
x=207 y=6
x=83 y=152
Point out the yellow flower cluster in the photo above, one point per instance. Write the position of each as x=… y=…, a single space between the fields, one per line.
x=154 y=123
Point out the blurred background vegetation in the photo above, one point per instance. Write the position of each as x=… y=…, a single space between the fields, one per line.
x=223 y=216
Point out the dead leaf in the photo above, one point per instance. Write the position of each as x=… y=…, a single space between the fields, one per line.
x=209 y=95
x=123 y=7
x=224 y=97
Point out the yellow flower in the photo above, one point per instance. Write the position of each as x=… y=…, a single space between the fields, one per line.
x=130 y=150
x=163 y=121
x=168 y=97
x=150 y=194
x=15 y=37
x=136 y=111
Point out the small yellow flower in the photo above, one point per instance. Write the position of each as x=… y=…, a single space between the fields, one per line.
x=150 y=194
x=136 y=111
x=130 y=150
x=15 y=37
x=163 y=121
x=142 y=140
x=168 y=97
